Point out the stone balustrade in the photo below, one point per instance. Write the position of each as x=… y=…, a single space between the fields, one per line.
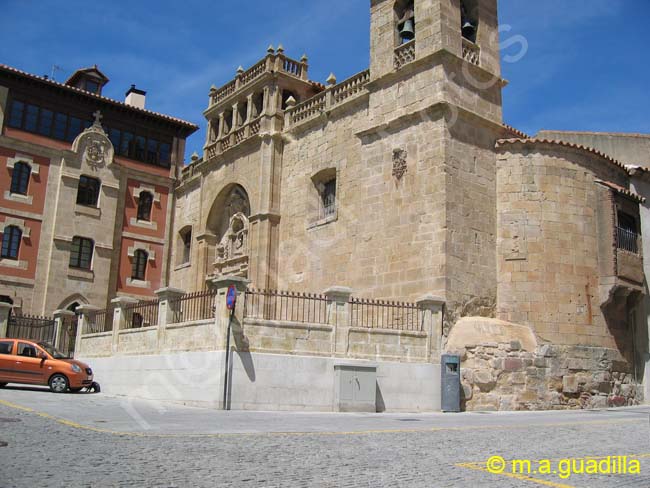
x=233 y=138
x=471 y=52
x=274 y=61
x=332 y=97
x=404 y=54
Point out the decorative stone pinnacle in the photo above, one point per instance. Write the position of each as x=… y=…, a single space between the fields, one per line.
x=240 y=70
x=270 y=49
x=280 y=49
x=213 y=88
x=291 y=102
x=331 y=79
x=194 y=156
x=304 y=58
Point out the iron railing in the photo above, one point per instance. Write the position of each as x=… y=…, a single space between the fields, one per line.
x=32 y=327
x=141 y=314
x=193 y=306
x=286 y=306
x=380 y=314
x=99 y=321
x=627 y=240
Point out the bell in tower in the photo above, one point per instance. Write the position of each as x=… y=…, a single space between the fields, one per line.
x=467 y=22
x=406 y=21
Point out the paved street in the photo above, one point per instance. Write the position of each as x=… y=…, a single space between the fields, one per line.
x=99 y=441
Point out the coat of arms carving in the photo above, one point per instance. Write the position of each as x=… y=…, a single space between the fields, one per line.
x=399 y=163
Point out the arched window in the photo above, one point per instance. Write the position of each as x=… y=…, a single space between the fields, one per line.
x=88 y=191
x=405 y=16
x=139 y=266
x=145 y=201
x=11 y=242
x=185 y=245
x=469 y=19
x=20 y=178
x=81 y=253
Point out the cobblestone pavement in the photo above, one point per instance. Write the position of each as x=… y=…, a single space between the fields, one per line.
x=99 y=441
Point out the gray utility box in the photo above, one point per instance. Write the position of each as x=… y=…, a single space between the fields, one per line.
x=355 y=388
x=450 y=383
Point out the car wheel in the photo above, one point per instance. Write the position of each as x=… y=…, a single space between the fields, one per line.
x=58 y=383
x=75 y=390
x=2 y=385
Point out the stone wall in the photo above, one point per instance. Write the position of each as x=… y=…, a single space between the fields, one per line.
x=502 y=376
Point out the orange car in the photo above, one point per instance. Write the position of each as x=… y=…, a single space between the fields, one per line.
x=38 y=363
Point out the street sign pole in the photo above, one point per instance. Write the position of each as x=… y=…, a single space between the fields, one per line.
x=231 y=303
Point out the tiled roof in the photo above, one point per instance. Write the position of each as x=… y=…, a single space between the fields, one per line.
x=622 y=190
x=516 y=132
x=42 y=79
x=591 y=150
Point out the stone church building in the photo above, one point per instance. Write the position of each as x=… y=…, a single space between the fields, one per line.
x=404 y=181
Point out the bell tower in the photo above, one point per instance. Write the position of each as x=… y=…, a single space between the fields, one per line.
x=457 y=40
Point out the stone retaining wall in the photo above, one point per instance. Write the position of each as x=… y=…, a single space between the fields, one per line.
x=504 y=377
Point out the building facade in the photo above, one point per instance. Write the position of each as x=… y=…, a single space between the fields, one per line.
x=521 y=254
x=86 y=192
x=404 y=181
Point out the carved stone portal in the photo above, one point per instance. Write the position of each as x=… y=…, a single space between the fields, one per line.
x=399 y=163
x=233 y=250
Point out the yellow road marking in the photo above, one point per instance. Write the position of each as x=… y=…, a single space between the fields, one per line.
x=478 y=466
x=515 y=475
x=76 y=425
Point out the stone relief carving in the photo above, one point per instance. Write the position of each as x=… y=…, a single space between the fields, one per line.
x=399 y=163
x=232 y=250
x=94 y=146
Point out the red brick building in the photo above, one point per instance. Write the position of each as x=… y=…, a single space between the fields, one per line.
x=86 y=186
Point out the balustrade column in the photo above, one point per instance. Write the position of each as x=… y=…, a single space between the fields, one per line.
x=60 y=317
x=84 y=312
x=339 y=317
x=5 y=312
x=433 y=308
x=120 y=318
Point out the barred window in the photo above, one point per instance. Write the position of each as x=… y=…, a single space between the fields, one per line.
x=81 y=254
x=20 y=178
x=88 y=191
x=186 y=244
x=328 y=197
x=11 y=242
x=139 y=266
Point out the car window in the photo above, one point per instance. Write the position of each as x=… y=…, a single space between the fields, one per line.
x=6 y=347
x=26 y=350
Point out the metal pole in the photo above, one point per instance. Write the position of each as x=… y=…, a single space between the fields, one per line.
x=225 y=381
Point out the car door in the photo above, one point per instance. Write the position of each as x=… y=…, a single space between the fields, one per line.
x=7 y=361
x=29 y=367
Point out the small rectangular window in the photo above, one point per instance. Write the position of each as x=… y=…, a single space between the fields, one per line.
x=31 y=118
x=60 y=125
x=16 y=117
x=114 y=136
x=45 y=122
x=88 y=191
x=74 y=128
x=139 y=148
x=152 y=151
x=165 y=154
x=81 y=253
x=92 y=86
x=126 y=144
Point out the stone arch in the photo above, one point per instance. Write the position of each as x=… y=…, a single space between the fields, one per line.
x=228 y=222
x=71 y=300
x=233 y=199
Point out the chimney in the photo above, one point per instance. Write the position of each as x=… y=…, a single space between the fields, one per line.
x=135 y=97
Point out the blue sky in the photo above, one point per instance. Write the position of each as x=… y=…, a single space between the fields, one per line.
x=586 y=66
